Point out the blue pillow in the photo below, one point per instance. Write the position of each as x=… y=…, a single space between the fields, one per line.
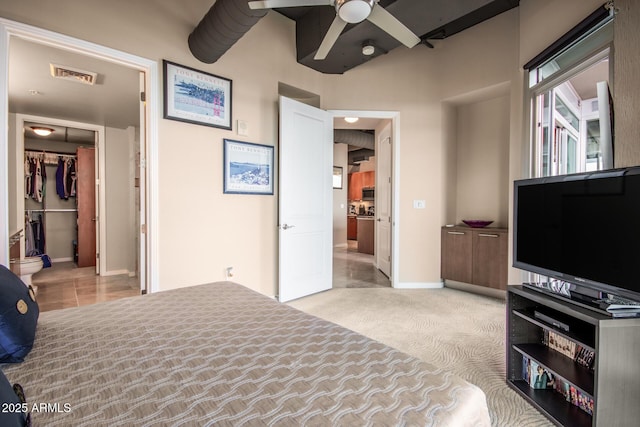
x=12 y=406
x=18 y=317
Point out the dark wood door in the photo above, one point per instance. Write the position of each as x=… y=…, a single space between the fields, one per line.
x=86 y=200
x=455 y=262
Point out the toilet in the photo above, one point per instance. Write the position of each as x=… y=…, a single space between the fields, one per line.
x=27 y=267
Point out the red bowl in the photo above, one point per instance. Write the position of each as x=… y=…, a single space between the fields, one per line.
x=476 y=223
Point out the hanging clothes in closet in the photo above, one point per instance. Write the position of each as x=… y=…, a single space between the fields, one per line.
x=35 y=178
x=34 y=236
x=66 y=177
x=35 y=175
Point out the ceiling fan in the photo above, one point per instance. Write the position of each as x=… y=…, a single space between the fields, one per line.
x=348 y=12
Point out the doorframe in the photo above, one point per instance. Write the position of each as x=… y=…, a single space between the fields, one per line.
x=149 y=156
x=100 y=130
x=394 y=116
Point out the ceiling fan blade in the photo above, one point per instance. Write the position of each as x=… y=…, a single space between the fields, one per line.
x=387 y=22
x=270 y=4
x=330 y=38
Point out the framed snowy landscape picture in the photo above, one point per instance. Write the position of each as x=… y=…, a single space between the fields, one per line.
x=196 y=97
x=248 y=168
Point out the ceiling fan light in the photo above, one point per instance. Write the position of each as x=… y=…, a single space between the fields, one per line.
x=354 y=11
x=42 y=131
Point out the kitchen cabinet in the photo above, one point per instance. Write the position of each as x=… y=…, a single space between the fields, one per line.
x=475 y=255
x=355 y=186
x=368 y=179
x=365 y=234
x=358 y=180
x=352 y=228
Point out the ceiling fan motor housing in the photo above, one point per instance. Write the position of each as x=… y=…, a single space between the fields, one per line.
x=354 y=11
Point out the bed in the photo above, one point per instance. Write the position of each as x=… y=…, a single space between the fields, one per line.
x=222 y=354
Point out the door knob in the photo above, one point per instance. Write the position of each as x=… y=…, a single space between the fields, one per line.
x=286 y=226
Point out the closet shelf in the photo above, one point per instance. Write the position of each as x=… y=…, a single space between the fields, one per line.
x=51 y=210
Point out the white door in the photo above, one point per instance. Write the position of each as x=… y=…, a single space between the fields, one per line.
x=383 y=202
x=141 y=172
x=305 y=200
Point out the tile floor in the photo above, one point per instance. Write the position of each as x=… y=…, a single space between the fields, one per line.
x=352 y=269
x=64 y=285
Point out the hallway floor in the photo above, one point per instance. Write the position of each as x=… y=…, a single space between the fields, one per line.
x=352 y=269
x=64 y=285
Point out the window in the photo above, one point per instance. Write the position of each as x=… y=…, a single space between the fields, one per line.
x=568 y=103
x=569 y=100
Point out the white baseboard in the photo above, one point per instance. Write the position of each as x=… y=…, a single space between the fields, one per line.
x=114 y=272
x=62 y=259
x=419 y=285
x=341 y=245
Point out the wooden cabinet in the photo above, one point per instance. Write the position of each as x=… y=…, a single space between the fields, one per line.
x=368 y=179
x=352 y=228
x=606 y=385
x=355 y=186
x=358 y=180
x=456 y=254
x=475 y=255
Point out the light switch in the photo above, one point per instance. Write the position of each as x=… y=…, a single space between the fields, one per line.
x=242 y=128
x=419 y=204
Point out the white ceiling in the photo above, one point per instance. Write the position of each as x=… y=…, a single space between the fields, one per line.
x=362 y=123
x=112 y=101
x=584 y=83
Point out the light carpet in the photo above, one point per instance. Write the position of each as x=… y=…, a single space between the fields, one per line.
x=451 y=329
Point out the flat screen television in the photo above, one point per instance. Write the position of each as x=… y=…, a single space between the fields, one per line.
x=583 y=229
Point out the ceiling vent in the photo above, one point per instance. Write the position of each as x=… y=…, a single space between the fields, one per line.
x=73 y=74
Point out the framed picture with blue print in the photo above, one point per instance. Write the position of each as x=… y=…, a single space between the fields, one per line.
x=248 y=168
x=197 y=97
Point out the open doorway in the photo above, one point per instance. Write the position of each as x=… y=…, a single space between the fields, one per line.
x=362 y=235
x=125 y=142
x=298 y=205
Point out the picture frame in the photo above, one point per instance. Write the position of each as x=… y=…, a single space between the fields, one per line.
x=248 y=168
x=196 y=97
x=337 y=177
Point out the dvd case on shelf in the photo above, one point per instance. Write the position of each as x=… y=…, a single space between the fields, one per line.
x=538 y=377
x=580 y=354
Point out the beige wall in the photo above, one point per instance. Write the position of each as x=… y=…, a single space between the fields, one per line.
x=202 y=231
x=626 y=83
x=120 y=241
x=482 y=161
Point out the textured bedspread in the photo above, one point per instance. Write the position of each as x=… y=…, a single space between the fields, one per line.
x=221 y=354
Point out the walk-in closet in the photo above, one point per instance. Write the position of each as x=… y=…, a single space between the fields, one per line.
x=52 y=181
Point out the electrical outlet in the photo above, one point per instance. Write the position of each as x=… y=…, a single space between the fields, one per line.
x=419 y=204
x=228 y=273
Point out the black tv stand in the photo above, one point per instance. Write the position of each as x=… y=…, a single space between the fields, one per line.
x=610 y=382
